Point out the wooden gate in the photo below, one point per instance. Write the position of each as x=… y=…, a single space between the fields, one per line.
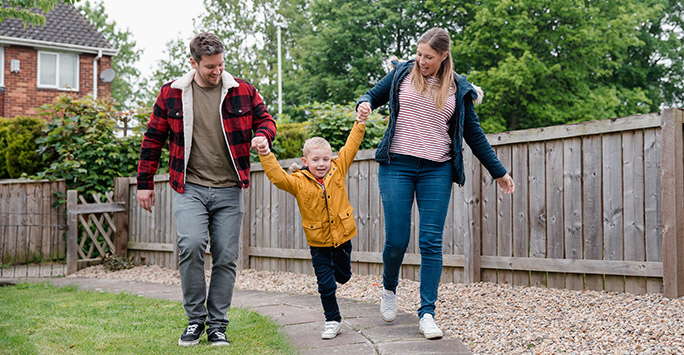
x=92 y=228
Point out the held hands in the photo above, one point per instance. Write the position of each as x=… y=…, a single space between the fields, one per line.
x=362 y=112
x=145 y=199
x=506 y=184
x=260 y=145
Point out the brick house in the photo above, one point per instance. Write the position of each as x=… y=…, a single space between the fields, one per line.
x=39 y=63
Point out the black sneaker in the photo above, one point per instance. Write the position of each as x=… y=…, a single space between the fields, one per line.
x=217 y=338
x=191 y=334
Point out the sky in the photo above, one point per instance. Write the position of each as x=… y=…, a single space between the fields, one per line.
x=153 y=23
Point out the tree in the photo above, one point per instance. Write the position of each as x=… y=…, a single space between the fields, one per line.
x=125 y=85
x=343 y=55
x=543 y=63
x=22 y=9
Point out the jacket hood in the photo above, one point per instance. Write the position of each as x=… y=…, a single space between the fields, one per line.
x=461 y=82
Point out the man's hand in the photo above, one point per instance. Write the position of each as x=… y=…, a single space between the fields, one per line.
x=145 y=199
x=506 y=184
x=260 y=145
x=362 y=112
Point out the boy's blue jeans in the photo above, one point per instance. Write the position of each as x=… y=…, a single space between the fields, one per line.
x=331 y=265
x=401 y=180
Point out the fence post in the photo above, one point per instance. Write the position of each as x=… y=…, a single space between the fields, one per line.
x=121 y=192
x=243 y=256
x=672 y=203
x=72 y=232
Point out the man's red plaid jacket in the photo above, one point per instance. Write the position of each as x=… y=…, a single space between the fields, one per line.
x=242 y=112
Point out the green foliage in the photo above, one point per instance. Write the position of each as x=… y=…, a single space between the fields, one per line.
x=18 y=153
x=124 y=85
x=177 y=63
x=334 y=122
x=343 y=55
x=543 y=63
x=290 y=140
x=80 y=144
x=44 y=319
x=21 y=9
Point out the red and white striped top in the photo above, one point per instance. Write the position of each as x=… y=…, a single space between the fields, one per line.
x=421 y=130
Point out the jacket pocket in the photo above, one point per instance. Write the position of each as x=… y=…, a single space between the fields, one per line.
x=347 y=219
x=239 y=111
x=175 y=119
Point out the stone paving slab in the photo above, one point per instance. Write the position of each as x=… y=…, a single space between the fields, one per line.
x=301 y=317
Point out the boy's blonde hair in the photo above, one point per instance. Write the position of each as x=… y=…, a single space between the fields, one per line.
x=315 y=143
x=310 y=144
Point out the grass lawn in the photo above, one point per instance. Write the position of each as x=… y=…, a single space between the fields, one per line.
x=44 y=319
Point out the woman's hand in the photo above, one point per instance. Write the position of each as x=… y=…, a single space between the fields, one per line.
x=362 y=112
x=506 y=184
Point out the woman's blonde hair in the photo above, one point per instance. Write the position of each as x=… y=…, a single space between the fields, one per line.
x=439 y=40
x=309 y=144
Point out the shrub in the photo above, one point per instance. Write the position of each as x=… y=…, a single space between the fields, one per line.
x=80 y=145
x=334 y=122
x=290 y=140
x=18 y=149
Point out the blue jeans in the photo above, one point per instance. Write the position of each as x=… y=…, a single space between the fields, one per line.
x=401 y=180
x=202 y=212
x=331 y=265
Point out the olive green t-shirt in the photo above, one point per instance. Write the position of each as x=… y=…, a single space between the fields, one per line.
x=210 y=163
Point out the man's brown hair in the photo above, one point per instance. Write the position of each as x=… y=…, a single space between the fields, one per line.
x=205 y=43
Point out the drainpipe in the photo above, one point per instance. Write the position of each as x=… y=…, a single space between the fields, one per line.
x=99 y=55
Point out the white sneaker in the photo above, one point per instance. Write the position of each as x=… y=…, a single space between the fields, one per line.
x=428 y=327
x=388 y=305
x=331 y=330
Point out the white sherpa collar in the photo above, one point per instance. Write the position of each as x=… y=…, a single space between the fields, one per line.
x=186 y=80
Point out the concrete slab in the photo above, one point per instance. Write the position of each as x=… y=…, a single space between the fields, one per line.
x=308 y=336
x=285 y=314
x=432 y=347
x=353 y=349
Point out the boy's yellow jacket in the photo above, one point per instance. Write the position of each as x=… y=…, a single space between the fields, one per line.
x=327 y=215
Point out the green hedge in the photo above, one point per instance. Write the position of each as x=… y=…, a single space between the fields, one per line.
x=18 y=149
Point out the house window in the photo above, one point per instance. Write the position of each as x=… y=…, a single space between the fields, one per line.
x=2 y=66
x=57 y=71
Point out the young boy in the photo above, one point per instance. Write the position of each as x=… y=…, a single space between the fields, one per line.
x=327 y=216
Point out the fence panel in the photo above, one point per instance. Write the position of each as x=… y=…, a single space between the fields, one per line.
x=586 y=213
x=32 y=228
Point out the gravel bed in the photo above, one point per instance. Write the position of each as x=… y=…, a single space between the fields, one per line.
x=496 y=318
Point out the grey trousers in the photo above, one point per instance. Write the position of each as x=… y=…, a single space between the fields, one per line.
x=208 y=215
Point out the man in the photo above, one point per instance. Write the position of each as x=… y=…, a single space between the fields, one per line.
x=208 y=117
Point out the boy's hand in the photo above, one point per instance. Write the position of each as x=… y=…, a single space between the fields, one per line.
x=362 y=112
x=260 y=145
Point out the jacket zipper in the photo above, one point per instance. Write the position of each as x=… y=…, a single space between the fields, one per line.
x=389 y=141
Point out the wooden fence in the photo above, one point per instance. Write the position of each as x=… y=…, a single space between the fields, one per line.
x=598 y=205
x=32 y=228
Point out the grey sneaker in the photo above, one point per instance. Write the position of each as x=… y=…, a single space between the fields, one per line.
x=388 y=305
x=428 y=327
x=331 y=329
x=191 y=334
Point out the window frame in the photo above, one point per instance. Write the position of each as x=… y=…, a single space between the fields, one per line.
x=57 y=71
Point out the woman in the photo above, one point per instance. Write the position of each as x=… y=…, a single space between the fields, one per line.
x=432 y=110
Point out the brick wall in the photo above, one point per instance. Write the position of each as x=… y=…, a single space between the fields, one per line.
x=23 y=97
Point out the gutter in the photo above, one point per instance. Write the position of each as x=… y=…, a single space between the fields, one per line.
x=56 y=45
x=99 y=55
